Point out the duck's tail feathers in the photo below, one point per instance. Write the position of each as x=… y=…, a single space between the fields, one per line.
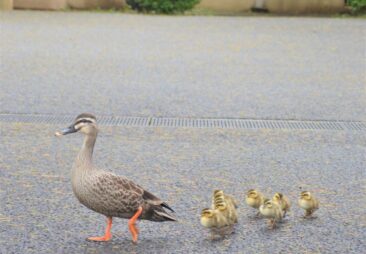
x=161 y=215
x=165 y=205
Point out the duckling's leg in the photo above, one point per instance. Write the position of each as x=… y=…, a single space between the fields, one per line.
x=131 y=225
x=107 y=235
x=212 y=235
x=272 y=224
x=308 y=213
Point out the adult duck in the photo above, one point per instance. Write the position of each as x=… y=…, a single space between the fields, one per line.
x=107 y=193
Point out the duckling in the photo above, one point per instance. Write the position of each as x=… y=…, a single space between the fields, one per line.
x=226 y=205
x=211 y=218
x=308 y=202
x=254 y=199
x=272 y=211
x=216 y=221
x=219 y=195
x=282 y=201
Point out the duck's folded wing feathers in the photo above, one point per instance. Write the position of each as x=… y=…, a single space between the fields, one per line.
x=135 y=191
x=119 y=187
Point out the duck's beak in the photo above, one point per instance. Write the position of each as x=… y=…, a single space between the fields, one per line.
x=68 y=130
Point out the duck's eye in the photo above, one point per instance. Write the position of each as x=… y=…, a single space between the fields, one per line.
x=83 y=121
x=80 y=123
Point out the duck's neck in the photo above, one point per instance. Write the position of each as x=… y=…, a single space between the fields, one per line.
x=84 y=158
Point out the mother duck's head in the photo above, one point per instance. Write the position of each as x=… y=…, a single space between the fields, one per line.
x=85 y=123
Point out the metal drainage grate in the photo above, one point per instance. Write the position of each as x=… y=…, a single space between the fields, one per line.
x=192 y=122
x=257 y=124
x=52 y=119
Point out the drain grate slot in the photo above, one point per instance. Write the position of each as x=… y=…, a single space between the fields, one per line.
x=256 y=124
x=192 y=122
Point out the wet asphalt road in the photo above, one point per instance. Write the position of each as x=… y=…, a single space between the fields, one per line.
x=283 y=68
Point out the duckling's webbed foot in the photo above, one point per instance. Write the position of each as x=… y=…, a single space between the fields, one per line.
x=272 y=224
x=107 y=236
x=132 y=226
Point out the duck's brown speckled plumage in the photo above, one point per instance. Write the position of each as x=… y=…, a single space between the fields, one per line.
x=108 y=193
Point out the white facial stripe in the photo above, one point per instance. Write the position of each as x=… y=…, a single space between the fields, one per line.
x=85 y=119
x=78 y=126
x=82 y=122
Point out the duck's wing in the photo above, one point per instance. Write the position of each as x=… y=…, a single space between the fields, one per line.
x=136 y=189
x=117 y=193
x=130 y=194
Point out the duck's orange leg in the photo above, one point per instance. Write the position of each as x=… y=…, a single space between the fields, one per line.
x=107 y=235
x=131 y=225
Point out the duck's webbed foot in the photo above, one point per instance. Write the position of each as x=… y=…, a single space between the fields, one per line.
x=108 y=234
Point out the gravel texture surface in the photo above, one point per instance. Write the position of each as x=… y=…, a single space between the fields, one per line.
x=243 y=67
x=39 y=213
x=130 y=65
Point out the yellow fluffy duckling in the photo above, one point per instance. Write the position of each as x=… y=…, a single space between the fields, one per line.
x=308 y=202
x=219 y=195
x=211 y=218
x=226 y=205
x=282 y=201
x=254 y=199
x=272 y=211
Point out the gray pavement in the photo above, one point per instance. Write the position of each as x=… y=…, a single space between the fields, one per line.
x=40 y=214
x=128 y=65
x=243 y=67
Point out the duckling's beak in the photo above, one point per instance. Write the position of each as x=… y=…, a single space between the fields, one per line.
x=68 y=130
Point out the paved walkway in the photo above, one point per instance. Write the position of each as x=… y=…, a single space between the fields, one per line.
x=282 y=68
x=127 y=65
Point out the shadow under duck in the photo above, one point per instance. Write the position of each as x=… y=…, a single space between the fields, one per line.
x=107 y=193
